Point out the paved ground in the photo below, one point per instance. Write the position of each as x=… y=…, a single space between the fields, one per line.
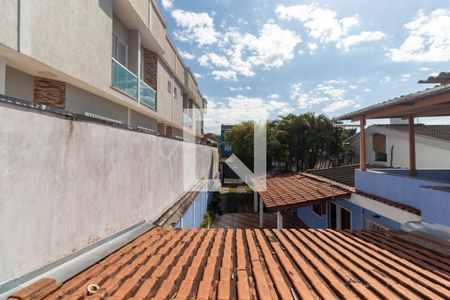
x=251 y=220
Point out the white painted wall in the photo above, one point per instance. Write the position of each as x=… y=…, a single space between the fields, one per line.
x=428 y=154
x=66 y=184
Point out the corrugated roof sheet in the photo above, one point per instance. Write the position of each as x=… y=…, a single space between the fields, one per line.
x=404 y=99
x=441 y=132
x=302 y=189
x=261 y=264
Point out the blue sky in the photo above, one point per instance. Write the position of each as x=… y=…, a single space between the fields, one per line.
x=328 y=57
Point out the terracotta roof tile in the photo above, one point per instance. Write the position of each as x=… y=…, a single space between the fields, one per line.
x=296 y=190
x=261 y=264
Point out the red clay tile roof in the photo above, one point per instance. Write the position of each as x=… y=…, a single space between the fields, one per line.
x=261 y=264
x=296 y=190
x=398 y=205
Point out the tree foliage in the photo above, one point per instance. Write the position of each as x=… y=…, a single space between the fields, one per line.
x=294 y=142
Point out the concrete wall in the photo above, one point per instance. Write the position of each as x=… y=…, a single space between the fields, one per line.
x=80 y=101
x=164 y=98
x=19 y=84
x=8 y=23
x=137 y=119
x=66 y=184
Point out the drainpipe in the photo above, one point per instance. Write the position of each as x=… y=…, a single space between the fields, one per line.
x=261 y=213
x=279 y=220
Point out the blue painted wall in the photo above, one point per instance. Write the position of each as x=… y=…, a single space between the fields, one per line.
x=358 y=214
x=435 y=206
x=193 y=217
x=310 y=218
x=406 y=190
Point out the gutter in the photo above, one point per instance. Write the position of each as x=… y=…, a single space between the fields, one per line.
x=65 y=268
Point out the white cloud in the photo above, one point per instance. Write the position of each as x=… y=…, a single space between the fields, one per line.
x=197 y=75
x=424 y=69
x=428 y=39
x=167 y=4
x=226 y=75
x=367 y=90
x=270 y=49
x=312 y=47
x=274 y=96
x=329 y=92
x=324 y=26
x=187 y=55
x=196 y=27
x=365 y=36
x=214 y=59
x=338 y=105
x=406 y=77
x=237 y=109
x=385 y=79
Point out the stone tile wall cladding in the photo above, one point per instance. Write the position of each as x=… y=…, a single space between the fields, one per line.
x=50 y=92
x=150 y=68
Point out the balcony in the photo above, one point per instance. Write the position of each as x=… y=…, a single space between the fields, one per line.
x=124 y=81
x=187 y=120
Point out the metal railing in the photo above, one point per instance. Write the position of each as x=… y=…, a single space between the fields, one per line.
x=128 y=83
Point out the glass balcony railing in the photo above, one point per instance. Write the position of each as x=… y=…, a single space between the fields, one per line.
x=147 y=95
x=187 y=120
x=124 y=80
x=128 y=83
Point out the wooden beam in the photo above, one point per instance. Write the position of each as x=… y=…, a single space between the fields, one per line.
x=412 y=147
x=400 y=110
x=362 y=144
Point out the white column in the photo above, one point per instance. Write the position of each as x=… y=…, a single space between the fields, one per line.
x=261 y=213
x=279 y=220
x=255 y=202
x=2 y=75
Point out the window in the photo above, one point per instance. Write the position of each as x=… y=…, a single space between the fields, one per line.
x=120 y=50
x=319 y=209
x=175 y=92
x=169 y=87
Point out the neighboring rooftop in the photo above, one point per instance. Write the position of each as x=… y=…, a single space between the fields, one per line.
x=441 y=132
x=343 y=174
x=442 y=78
x=301 y=189
x=263 y=264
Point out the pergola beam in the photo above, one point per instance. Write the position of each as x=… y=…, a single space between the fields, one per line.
x=400 y=110
x=412 y=147
x=362 y=144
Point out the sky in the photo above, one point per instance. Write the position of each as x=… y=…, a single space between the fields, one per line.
x=328 y=57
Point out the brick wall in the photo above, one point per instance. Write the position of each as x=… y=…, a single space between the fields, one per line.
x=50 y=92
x=150 y=68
